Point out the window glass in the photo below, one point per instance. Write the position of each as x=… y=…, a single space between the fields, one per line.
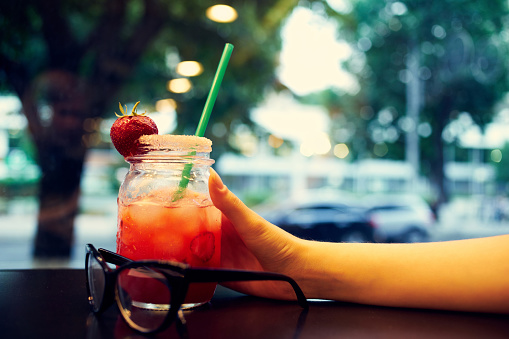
x=323 y=100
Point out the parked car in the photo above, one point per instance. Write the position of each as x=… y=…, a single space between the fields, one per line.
x=400 y=218
x=323 y=221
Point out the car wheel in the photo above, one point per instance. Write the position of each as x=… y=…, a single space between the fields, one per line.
x=414 y=236
x=354 y=236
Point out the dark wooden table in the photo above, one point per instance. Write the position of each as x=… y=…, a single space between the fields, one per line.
x=53 y=304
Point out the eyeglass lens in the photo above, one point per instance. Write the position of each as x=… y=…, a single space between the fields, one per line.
x=96 y=281
x=144 y=297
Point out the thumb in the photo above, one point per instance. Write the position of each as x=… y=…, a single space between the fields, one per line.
x=230 y=205
x=256 y=232
x=272 y=246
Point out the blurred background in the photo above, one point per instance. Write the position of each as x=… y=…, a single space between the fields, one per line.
x=340 y=120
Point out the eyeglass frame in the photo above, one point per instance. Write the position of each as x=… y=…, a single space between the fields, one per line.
x=180 y=278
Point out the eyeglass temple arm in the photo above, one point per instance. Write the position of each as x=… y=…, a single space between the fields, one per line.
x=217 y=275
x=113 y=257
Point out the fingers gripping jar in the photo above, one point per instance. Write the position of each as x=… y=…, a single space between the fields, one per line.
x=164 y=208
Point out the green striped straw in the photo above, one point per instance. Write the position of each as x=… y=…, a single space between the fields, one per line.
x=205 y=115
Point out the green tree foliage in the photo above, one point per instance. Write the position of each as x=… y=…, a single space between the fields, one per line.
x=71 y=61
x=455 y=49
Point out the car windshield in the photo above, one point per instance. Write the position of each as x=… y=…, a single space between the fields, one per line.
x=390 y=208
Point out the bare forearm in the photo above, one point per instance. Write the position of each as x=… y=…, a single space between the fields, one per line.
x=468 y=275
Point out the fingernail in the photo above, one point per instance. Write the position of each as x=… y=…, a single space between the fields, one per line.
x=216 y=179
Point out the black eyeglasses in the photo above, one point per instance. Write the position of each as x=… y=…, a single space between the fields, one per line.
x=150 y=294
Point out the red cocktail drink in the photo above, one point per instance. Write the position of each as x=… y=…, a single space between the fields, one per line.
x=182 y=232
x=158 y=219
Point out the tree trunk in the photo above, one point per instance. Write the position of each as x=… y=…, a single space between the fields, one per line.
x=59 y=192
x=58 y=135
x=438 y=176
x=57 y=101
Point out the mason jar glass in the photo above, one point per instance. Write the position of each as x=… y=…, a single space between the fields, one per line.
x=164 y=208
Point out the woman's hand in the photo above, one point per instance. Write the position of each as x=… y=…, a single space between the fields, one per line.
x=250 y=242
x=466 y=275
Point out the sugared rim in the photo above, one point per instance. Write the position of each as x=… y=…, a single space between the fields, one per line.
x=176 y=142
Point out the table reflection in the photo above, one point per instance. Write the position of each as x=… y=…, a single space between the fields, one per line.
x=248 y=317
x=53 y=304
x=244 y=316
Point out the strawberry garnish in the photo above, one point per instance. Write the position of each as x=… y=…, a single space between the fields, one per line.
x=203 y=246
x=128 y=128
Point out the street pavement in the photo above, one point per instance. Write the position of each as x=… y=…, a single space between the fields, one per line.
x=17 y=236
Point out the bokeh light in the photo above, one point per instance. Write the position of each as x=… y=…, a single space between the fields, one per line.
x=181 y=85
x=496 y=155
x=166 y=105
x=189 y=68
x=316 y=143
x=222 y=13
x=380 y=149
x=275 y=141
x=341 y=151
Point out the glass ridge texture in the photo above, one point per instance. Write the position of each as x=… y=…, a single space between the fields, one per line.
x=164 y=208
